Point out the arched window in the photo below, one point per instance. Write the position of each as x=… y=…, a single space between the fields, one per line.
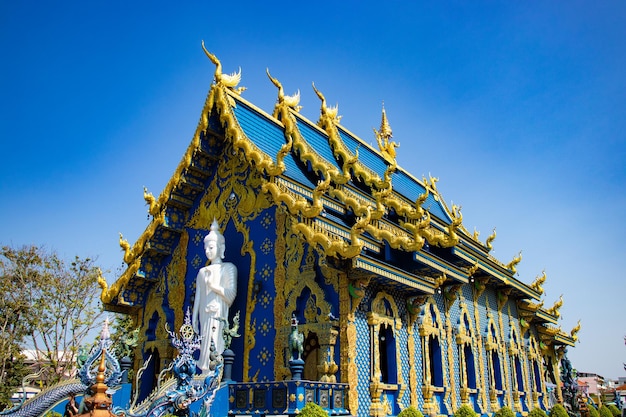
x=497 y=370
x=434 y=378
x=533 y=357
x=387 y=352
x=537 y=374
x=435 y=359
x=430 y=331
x=515 y=351
x=469 y=366
x=493 y=357
x=519 y=374
x=382 y=319
x=385 y=379
x=465 y=340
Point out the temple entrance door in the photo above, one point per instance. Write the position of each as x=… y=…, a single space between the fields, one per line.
x=153 y=369
x=311 y=357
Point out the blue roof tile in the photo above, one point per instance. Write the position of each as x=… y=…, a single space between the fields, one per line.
x=268 y=134
x=367 y=156
x=408 y=187
x=318 y=141
x=262 y=130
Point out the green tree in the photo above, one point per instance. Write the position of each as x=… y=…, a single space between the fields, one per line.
x=14 y=372
x=47 y=305
x=124 y=335
x=18 y=272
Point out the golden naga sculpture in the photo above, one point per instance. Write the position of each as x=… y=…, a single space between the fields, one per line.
x=414 y=212
x=490 y=239
x=297 y=204
x=332 y=246
x=383 y=137
x=102 y=282
x=227 y=80
x=554 y=310
x=153 y=206
x=513 y=264
x=306 y=153
x=538 y=282
x=417 y=229
x=352 y=166
x=126 y=248
x=279 y=167
x=574 y=331
x=439 y=281
x=328 y=114
x=430 y=182
x=472 y=270
x=292 y=101
x=450 y=237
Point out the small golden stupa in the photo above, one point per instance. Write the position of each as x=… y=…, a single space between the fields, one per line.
x=99 y=404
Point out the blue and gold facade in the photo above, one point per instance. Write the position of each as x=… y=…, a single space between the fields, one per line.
x=399 y=304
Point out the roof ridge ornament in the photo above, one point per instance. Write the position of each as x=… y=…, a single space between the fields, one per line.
x=536 y=284
x=573 y=333
x=292 y=101
x=513 y=264
x=383 y=137
x=490 y=240
x=554 y=310
x=225 y=80
x=327 y=113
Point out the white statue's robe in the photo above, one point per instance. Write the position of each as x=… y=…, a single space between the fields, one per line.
x=211 y=305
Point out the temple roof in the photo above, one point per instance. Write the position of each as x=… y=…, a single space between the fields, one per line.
x=353 y=198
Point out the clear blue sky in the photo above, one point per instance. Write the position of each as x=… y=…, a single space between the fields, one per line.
x=518 y=107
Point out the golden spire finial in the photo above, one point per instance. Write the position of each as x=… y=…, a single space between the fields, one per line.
x=383 y=137
x=385 y=129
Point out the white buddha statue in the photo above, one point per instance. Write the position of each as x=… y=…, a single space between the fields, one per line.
x=216 y=288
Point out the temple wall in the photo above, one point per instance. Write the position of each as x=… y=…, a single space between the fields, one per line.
x=484 y=317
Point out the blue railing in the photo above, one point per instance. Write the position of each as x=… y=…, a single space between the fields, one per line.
x=286 y=397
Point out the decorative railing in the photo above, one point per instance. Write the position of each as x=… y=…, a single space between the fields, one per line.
x=286 y=397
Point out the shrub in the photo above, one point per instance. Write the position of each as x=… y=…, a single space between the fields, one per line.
x=537 y=412
x=505 y=412
x=614 y=410
x=605 y=412
x=410 y=412
x=465 y=411
x=312 y=410
x=558 y=411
